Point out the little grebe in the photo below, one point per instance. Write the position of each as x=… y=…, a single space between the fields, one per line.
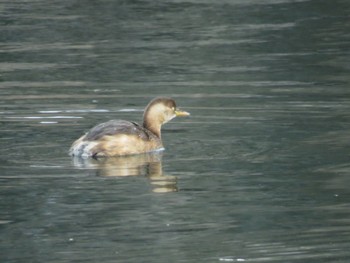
x=118 y=137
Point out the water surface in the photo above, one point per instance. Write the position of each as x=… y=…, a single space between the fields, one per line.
x=258 y=173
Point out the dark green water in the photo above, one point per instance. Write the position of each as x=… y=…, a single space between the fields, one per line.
x=260 y=172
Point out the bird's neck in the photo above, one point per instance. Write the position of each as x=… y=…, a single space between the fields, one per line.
x=152 y=125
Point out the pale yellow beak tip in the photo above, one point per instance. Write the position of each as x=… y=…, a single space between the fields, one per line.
x=180 y=113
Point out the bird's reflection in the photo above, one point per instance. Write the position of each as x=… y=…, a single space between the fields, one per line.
x=149 y=165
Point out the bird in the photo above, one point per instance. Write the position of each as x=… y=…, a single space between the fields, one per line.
x=121 y=138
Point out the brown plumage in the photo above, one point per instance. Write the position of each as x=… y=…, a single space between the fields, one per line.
x=119 y=137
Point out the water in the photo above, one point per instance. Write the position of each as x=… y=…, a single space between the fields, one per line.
x=258 y=173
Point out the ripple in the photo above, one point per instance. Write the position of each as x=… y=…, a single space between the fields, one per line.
x=48 y=122
x=28 y=46
x=7 y=67
x=231 y=259
x=44 y=117
x=129 y=110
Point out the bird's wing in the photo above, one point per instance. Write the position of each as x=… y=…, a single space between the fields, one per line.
x=114 y=127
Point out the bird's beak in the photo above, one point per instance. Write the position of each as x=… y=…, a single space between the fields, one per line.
x=180 y=113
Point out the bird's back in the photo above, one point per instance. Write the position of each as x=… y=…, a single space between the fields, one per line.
x=115 y=137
